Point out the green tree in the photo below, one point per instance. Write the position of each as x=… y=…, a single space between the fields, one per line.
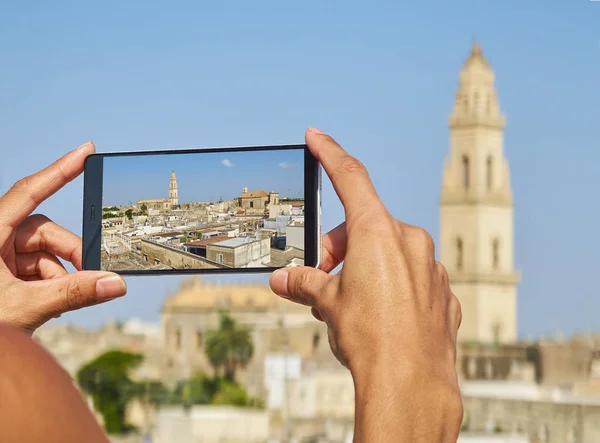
x=230 y=394
x=144 y=208
x=129 y=213
x=198 y=390
x=203 y=390
x=229 y=347
x=153 y=392
x=106 y=379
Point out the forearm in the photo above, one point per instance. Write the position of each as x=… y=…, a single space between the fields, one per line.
x=409 y=409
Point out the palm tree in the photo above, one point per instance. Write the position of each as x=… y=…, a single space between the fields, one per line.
x=229 y=347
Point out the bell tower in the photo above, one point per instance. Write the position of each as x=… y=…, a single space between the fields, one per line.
x=476 y=210
x=173 y=198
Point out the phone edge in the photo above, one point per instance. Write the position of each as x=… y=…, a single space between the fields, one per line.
x=318 y=208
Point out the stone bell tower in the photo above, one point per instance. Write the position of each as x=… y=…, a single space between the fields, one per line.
x=476 y=210
x=173 y=198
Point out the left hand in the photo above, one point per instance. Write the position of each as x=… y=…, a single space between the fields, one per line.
x=34 y=285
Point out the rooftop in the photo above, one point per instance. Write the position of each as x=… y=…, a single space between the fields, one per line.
x=236 y=242
x=254 y=194
x=207 y=241
x=195 y=293
x=169 y=234
x=156 y=200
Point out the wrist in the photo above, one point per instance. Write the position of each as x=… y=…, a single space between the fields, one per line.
x=406 y=404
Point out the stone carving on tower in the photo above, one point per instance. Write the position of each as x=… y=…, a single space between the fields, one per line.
x=476 y=210
x=173 y=198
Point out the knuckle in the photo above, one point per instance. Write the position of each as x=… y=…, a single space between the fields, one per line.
x=21 y=185
x=301 y=286
x=443 y=274
x=38 y=219
x=75 y=297
x=455 y=309
x=424 y=240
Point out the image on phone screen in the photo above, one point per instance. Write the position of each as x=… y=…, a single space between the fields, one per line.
x=210 y=210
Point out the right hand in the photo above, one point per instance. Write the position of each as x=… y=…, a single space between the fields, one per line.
x=392 y=318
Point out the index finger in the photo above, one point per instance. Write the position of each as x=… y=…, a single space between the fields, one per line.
x=27 y=194
x=348 y=175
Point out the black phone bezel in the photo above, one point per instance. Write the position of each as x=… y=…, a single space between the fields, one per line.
x=92 y=209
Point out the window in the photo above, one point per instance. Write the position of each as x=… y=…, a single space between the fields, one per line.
x=476 y=102
x=251 y=204
x=156 y=261
x=219 y=258
x=495 y=253
x=459 y=253
x=465 y=162
x=178 y=339
x=489 y=176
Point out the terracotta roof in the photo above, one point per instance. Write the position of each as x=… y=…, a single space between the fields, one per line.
x=254 y=194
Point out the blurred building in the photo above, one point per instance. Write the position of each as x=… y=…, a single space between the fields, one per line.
x=276 y=325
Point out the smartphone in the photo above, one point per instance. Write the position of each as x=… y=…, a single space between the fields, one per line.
x=217 y=210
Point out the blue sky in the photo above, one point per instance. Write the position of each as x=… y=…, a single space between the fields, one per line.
x=202 y=177
x=379 y=76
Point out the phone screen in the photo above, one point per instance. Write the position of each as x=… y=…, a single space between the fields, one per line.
x=186 y=211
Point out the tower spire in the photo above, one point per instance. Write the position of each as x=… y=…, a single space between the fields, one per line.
x=476 y=100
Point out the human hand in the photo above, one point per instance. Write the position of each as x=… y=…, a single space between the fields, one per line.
x=34 y=285
x=392 y=318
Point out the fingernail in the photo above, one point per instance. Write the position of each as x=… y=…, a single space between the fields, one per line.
x=84 y=146
x=316 y=131
x=279 y=283
x=110 y=287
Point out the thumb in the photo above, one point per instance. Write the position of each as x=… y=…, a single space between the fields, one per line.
x=81 y=289
x=302 y=285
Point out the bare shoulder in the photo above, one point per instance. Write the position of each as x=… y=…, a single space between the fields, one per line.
x=39 y=401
